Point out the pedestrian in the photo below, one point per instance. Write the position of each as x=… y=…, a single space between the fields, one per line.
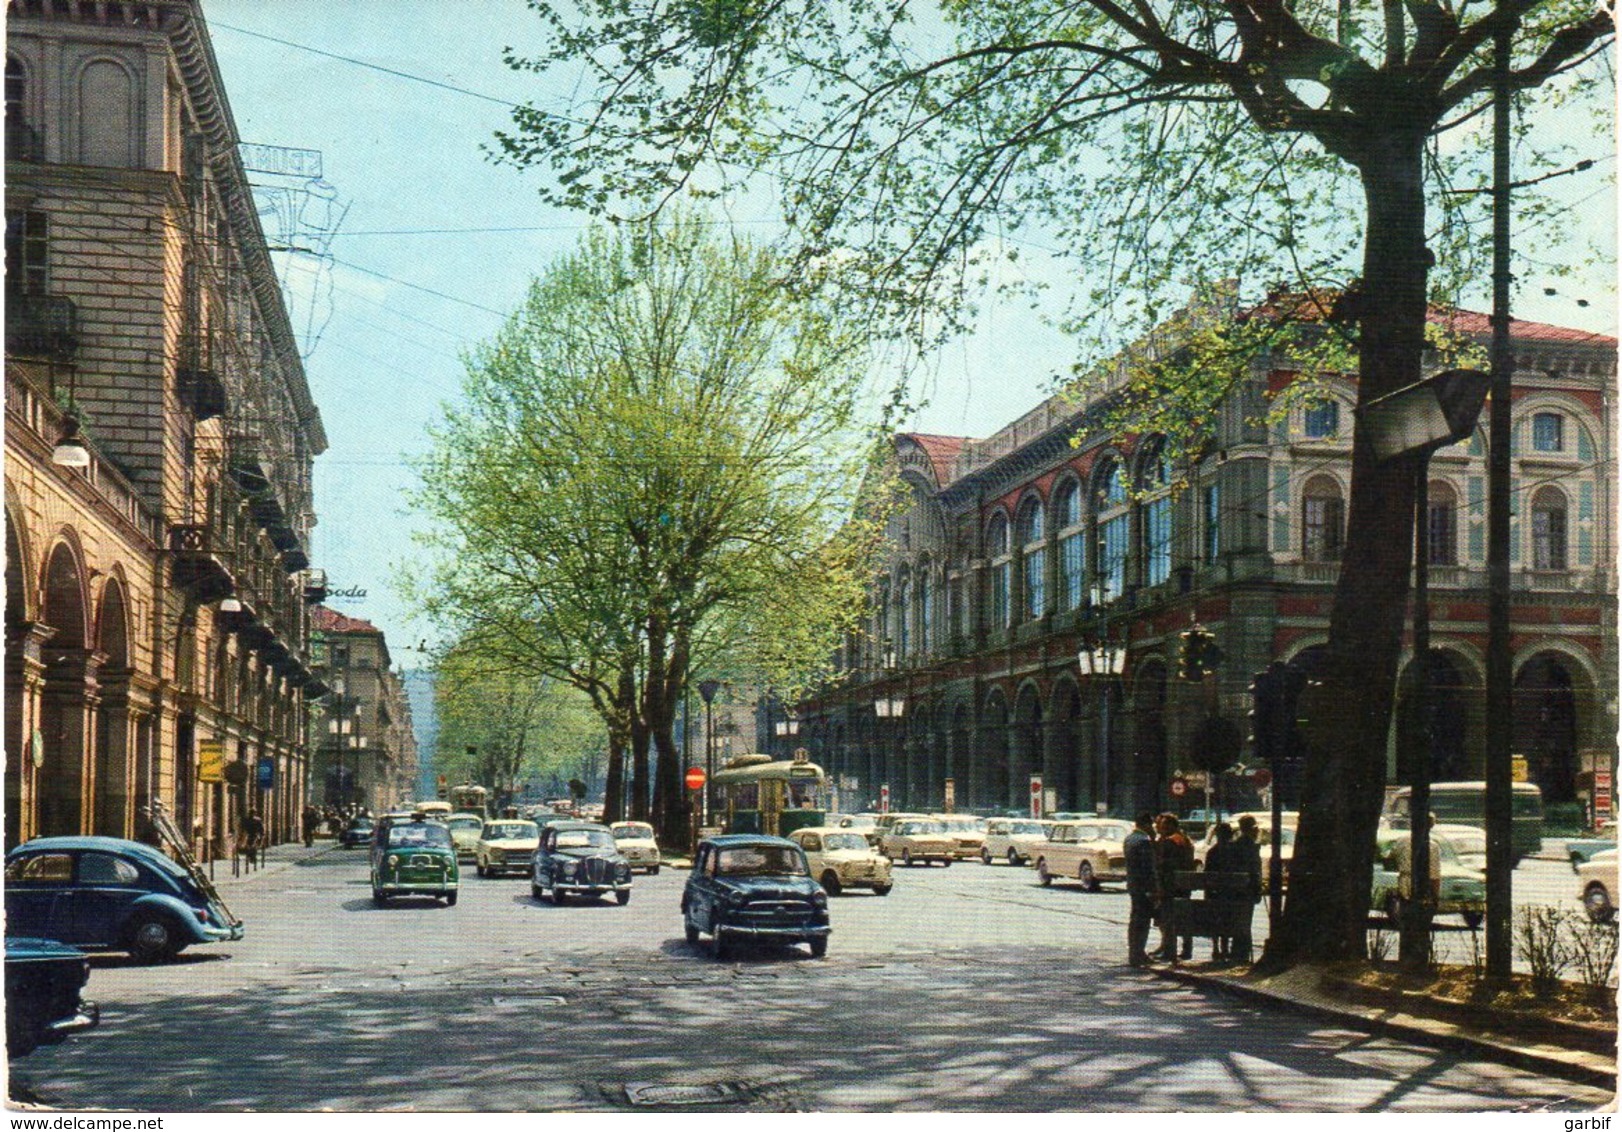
x=1175 y=854
x=1142 y=887
x=253 y=832
x=1248 y=852
x=312 y=817
x=1225 y=857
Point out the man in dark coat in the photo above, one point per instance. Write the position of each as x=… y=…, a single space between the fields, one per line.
x=1142 y=888
x=1175 y=853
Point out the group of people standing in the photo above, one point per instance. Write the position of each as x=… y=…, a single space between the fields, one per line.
x=1157 y=850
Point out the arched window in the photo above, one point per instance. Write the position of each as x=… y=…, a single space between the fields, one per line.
x=1067 y=522
x=1001 y=569
x=902 y=633
x=1549 y=529
x=1321 y=419
x=1548 y=432
x=1154 y=479
x=1035 y=571
x=1443 y=525
x=1323 y=520
x=1114 y=526
x=922 y=599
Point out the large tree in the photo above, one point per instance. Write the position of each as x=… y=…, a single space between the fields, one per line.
x=1164 y=141
x=655 y=466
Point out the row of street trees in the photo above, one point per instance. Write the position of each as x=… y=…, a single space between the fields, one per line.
x=1160 y=142
x=654 y=474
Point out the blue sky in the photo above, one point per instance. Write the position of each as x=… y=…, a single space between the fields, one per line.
x=438 y=241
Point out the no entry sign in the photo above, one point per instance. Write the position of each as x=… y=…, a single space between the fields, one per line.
x=695 y=778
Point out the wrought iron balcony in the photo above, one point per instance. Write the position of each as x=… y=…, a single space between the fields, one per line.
x=204 y=392
x=41 y=326
x=199 y=562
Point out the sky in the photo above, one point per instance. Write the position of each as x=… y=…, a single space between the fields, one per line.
x=435 y=242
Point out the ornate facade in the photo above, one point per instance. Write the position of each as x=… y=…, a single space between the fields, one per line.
x=1018 y=549
x=364 y=748
x=158 y=444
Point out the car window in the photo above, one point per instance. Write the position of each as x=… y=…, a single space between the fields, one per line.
x=509 y=830
x=634 y=830
x=843 y=841
x=419 y=833
x=811 y=841
x=41 y=868
x=585 y=839
x=1024 y=827
x=760 y=860
x=104 y=868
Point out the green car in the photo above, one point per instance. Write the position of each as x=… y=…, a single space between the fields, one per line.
x=416 y=859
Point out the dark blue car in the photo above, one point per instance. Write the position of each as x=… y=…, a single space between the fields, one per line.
x=105 y=892
x=752 y=888
x=43 y=1006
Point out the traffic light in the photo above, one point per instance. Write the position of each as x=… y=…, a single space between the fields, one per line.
x=1264 y=712
x=1198 y=656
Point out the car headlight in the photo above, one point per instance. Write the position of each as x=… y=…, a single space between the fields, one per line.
x=820 y=899
x=568 y=868
x=622 y=872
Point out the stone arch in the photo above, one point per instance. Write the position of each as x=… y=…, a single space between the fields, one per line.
x=1150 y=756
x=1065 y=764
x=1555 y=705
x=1454 y=715
x=114 y=769
x=64 y=594
x=1026 y=742
x=22 y=591
x=67 y=718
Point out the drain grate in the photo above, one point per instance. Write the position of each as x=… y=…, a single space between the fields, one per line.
x=652 y=1093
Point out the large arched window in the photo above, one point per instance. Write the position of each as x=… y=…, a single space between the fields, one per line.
x=1034 y=557
x=1114 y=526
x=923 y=599
x=1549 y=529
x=1154 y=480
x=1072 y=535
x=1001 y=569
x=902 y=631
x=1323 y=520
x=1443 y=525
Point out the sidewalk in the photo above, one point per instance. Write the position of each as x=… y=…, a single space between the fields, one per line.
x=277 y=858
x=1303 y=991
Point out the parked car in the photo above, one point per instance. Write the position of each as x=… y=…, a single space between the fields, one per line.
x=1264 y=835
x=1580 y=849
x=1465 y=803
x=968 y=833
x=506 y=846
x=1012 y=839
x=1463 y=889
x=886 y=822
x=748 y=887
x=865 y=824
x=356 y=832
x=1597 y=886
x=842 y=858
x=918 y=839
x=105 y=892
x=416 y=859
x=465 y=831
x=1468 y=842
x=638 y=844
x=1108 y=834
x=1063 y=856
x=44 y=979
x=579 y=858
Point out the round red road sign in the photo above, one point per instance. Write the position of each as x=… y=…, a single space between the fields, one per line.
x=695 y=778
x=1261 y=778
x=1178 y=787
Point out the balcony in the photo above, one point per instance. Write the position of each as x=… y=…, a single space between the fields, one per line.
x=199 y=562
x=203 y=391
x=41 y=326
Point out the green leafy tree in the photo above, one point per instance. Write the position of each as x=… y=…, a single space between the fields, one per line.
x=1163 y=143
x=656 y=465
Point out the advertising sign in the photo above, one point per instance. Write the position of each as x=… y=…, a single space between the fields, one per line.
x=267 y=772
x=1036 y=795
x=210 y=761
x=884 y=798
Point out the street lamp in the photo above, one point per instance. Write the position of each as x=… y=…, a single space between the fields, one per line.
x=1105 y=659
x=707 y=689
x=888 y=707
x=1415 y=421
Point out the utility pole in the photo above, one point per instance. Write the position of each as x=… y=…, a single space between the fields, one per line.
x=1499 y=716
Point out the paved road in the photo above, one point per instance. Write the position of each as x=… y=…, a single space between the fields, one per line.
x=969 y=988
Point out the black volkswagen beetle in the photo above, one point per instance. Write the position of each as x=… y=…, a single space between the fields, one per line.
x=579 y=858
x=752 y=887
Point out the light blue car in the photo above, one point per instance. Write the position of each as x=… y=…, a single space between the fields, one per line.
x=1464 y=890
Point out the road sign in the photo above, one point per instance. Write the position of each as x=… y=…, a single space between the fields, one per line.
x=1178 y=787
x=884 y=799
x=210 y=761
x=1036 y=795
x=695 y=778
x=267 y=772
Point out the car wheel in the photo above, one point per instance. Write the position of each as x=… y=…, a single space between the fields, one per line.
x=1598 y=902
x=1013 y=858
x=985 y=856
x=450 y=899
x=378 y=898
x=906 y=857
x=623 y=896
x=719 y=947
x=830 y=883
x=947 y=863
x=153 y=939
x=1042 y=873
x=689 y=930
x=819 y=946
x=535 y=891
x=1084 y=873
x=653 y=872
x=882 y=889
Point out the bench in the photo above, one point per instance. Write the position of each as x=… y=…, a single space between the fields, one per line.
x=1224 y=913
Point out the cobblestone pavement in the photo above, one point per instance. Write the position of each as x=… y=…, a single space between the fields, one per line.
x=969 y=989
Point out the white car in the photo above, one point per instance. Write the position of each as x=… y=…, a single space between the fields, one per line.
x=966 y=831
x=1063 y=856
x=842 y=858
x=1596 y=886
x=1012 y=839
x=506 y=846
x=637 y=845
x=465 y=831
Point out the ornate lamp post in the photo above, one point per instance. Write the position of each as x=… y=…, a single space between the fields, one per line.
x=1103 y=659
x=707 y=689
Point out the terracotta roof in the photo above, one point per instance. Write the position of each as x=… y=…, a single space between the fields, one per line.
x=331 y=621
x=1477 y=324
x=941 y=450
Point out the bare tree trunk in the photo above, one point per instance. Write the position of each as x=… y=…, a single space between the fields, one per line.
x=1345 y=721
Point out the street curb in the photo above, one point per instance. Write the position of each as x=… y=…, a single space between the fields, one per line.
x=1574 y=1065
x=280 y=864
